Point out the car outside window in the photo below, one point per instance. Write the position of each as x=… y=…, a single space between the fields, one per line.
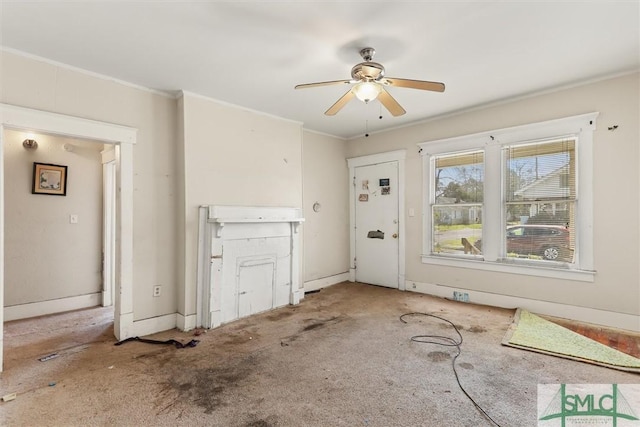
x=540 y=195
x=525 y=215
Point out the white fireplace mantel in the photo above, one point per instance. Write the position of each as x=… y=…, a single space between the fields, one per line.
x=222 y=215
x=249 y=261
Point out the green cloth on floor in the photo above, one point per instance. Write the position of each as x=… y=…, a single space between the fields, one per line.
x=537 y=333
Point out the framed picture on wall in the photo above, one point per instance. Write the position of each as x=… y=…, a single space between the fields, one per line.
x=49 y=179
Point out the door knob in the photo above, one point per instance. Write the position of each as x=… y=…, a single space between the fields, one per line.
x=395 y=235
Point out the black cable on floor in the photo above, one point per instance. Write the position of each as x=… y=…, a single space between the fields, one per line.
x=448 y=342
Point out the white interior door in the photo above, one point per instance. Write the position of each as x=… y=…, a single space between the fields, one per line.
x=376 y=224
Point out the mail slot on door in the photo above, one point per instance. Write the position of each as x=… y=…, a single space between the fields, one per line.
x=375 y=234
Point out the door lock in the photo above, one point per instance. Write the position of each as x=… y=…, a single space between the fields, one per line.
x=395 y=235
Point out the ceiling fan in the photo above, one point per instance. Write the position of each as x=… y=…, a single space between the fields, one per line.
x=369 y=82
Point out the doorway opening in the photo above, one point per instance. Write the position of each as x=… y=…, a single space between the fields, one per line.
x=122 y=139
x=54 y=243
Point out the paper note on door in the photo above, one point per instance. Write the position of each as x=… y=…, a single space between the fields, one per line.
x=363 y=197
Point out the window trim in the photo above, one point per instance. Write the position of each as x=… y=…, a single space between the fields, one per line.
x=492 y=142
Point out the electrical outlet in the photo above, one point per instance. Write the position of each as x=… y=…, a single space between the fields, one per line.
x=460 y=296
x=156 y=290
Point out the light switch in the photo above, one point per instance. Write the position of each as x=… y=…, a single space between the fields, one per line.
x=73 y=219
x=412 y=212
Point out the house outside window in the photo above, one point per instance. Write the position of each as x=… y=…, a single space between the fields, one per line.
x=517 y=200
x=539 y=208
x=457 y=205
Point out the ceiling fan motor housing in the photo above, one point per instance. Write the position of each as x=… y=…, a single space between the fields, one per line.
x=367 y=71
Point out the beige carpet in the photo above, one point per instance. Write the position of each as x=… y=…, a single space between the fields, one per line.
x=531 y=332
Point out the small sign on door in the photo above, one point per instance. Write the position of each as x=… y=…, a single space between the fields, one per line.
x=363 y=197
x=385 y=191
x=384 y=182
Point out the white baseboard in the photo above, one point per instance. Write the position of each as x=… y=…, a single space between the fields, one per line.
x=33 y=309
x=295 y=297
x=123 y=326
x=314 y=285
x=185 y=323
x=154 y=324
x=583 y=314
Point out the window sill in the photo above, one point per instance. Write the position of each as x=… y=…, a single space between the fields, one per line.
x=511 y=267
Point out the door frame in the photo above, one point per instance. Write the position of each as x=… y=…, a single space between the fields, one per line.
x=374 y=159
x=123 y=138
x=109 y=191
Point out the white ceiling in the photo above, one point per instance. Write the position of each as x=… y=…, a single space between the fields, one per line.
x=252 y=53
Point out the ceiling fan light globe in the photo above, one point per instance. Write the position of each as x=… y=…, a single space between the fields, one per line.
x=367 y=91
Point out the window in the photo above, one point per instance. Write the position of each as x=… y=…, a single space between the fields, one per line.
x=516 y=200
x=457 y=204
x=540 y=194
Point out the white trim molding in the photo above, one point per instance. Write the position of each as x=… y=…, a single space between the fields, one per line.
x=60 y=305
x=183 y=93
x=153 y=325
x=314 y=285
x=372 y=159
x=186 y=323
x=86 y=72
x=503 y=267
x=595 y=316
x=492 y=143
x=123 y=137
x=15 y=117
x=220 y=228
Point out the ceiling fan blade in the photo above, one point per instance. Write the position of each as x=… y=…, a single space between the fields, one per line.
x=390 y=103
x=413 y=84
x=340 y=103
x=334 y=82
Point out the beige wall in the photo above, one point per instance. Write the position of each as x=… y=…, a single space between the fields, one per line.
x=616 y=196
x=233 y=156
x=46 y=257
x=193 y=151
x=326 y=233
x=39 y=85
